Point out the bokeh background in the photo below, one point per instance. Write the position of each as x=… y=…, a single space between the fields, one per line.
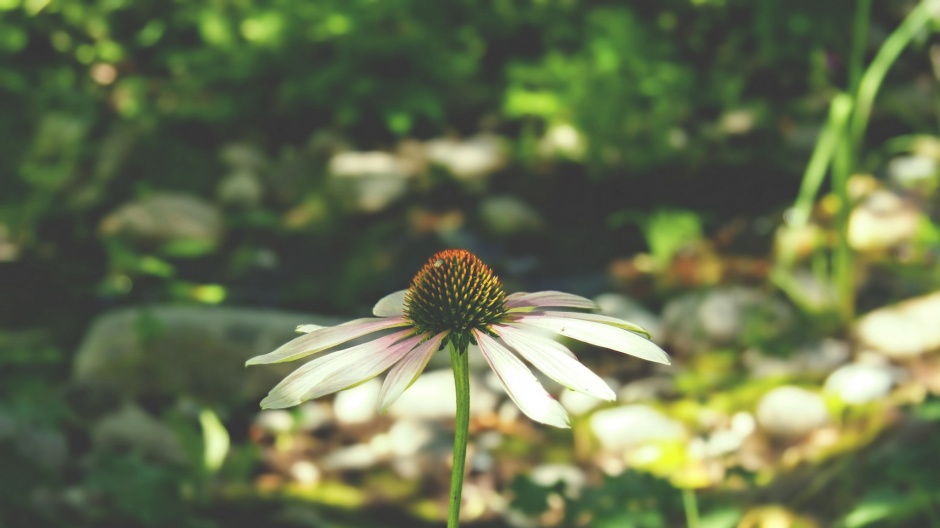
x=181 y=183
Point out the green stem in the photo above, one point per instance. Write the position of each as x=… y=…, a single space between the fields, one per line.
x=690 y=505
x=461 y=366
x=871 y=80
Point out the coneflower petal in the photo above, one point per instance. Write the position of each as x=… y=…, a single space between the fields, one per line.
x=391 y=305
x=594 y=333
x=555 y=361
x=598 y=318
x=340 y=370
x=406 y=371
x=324 y=338
x=548 y=298
x=519 y=382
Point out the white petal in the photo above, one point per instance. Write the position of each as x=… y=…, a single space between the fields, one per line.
x=548 y=298
x=520 y=384
x=308 y=328
x=406 y=371
x=324 y=338
x=391 y=305
x=595 y=333
x=339 y=370
x=555 y=361
x=598 y=318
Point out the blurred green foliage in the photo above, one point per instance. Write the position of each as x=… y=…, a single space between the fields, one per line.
x=669 y=122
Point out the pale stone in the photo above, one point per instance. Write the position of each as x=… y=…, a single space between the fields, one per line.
x=358 y=404
x=506 y=215
x=131 y=428
x=791 y=412
x=623 y=307
x=166 y=217
x=196 y=350
x=368 y=181
x=468 y=159
x=633 y=425
x=860 y=382
x=882 y=221
x=904 y=330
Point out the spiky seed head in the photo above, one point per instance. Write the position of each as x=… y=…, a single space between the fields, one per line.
x=455 y=292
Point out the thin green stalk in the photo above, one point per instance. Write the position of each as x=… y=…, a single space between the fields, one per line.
x=461 y=367
x=859 y=41
x=871 y=80
x=690 y=504
x=842 y=265
x=820 y=160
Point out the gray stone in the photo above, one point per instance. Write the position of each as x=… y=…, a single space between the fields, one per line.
x=162 y=218
x=131 y=428
x=791 y=412
x=817 y=358
x=904 y=330
x=357 y=405
x=913 y=171
x=368 y=181
x=633 y=425
x=883 y=220
x=623 y=307
x=195 y=350
x=506 y=215
x=468 y=159
x=432 y=396
x=860 y=382
x=724 y=316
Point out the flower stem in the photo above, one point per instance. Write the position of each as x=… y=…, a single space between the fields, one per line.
x=461 y=431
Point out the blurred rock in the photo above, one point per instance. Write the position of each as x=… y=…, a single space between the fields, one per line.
x=725 y=316
x=817 y=358
x=191 y=350
x=44 y=447
x=468 y=159
x=646 y=389
x=274 y=421
x=244 y=155
x=577 y=403
x=913 y=171
x=623 y=307
x=791 y=412
x=550 y=475
x=505 y=215
x=358 y=404
x=131 y=429
x=563 y=141
x=368 y=181
x=633 y=425
x=903 y=330
x=357 y=456
x=161 y=218
x=432 y=397
x=240 y=188
x=883 y=220
x=860 y=382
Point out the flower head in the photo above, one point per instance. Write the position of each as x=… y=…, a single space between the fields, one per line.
x=457 y=299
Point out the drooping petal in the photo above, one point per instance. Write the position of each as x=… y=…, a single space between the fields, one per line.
x=339 y=370
x=524 y=389
x=324 y=338
x=406 y=371
x=391 y=305
x=308 y=328
x=606 y=319
x=548 y=298
x=555 y=361
x=595 y=333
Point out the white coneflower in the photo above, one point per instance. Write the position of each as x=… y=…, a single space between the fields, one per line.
x=456 y=299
